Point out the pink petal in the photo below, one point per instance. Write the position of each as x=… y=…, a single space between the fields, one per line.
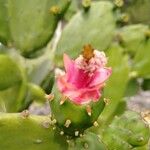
x=100 y=76
x=69 y=66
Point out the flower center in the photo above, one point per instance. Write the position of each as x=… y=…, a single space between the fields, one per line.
x=91 y=60
x=88 y=52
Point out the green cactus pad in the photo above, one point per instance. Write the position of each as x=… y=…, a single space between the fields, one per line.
x=10 y=73
x=126 y=132
x=89 y=141
x=132 y=36
x=117 y=82
x=23 y=132
x=90 y=27
x=78 y=117
x=29 y=25
x=141 y=62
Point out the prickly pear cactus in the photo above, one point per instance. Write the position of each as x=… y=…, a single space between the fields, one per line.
x=29 y=25
x=10 y=73
x=126 y=132
x=74 y=119
x=24 y=131
x=87 y=141
x=87 y=27
x=76 y=99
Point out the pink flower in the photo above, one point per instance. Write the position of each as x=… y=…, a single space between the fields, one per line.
x=84 y=79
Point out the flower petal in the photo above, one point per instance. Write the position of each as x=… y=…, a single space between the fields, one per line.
x=100 y=76
x=69 y=66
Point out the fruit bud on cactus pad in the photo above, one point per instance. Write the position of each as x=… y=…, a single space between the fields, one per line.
x=76 y=99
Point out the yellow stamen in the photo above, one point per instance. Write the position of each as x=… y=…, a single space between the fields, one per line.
x=88 y=52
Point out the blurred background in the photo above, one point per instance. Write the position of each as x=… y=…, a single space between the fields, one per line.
x=34 y=35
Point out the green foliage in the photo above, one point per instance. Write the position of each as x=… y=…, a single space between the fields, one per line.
x=20 y=131
x=87 y=27
x=126 y=132
x=138 y=10
x=132 y=36
x=89 y=141
x=141 y=61
x=116 y=85
x=10 y=73
x=29 y=25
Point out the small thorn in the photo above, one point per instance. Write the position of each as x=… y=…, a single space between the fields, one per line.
x=61 y=132
x=119 y=3
x=141 y=139
x=88 y=109
x=54 y=121
x=107 y=101
x=67 y=141
x=95 y=124
x=46 y=124
x=54 y=128
x=147 y=33
x=25 y=114
x=67 y=123
x=49 y=97
x=63 y=99
x=55 y=10
x=76 y=133
x=86 y=146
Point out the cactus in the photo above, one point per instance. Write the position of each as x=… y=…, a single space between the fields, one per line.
x=89 y=141
x=78 y=99
x=10 y=73
x=141 y=61
x=88 y=27
x=142 y=9
x=126 y=132
x=118 y=82
x=24 y=131
x=69 y=95
x=137 y=37
x=29 y=25
x=74 y=119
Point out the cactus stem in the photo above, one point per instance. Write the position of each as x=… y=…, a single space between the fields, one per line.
x=25 y=114
x=89 y=110
x=55 y=10
x=86 y=146
x=95 y=124
x=76 y=133
x=49 y=97
x=107 y=101
x=63 y=99
x=67 y=123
